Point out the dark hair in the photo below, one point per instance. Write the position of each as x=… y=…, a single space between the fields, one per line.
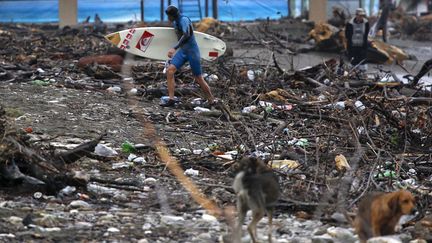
x=172 y=11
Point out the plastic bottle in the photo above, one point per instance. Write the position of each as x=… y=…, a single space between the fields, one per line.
x=167 y=63
x=251 y=75
x=164 y=99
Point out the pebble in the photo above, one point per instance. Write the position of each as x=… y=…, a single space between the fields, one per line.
x=15 y=220
x=170 y=219
x=83 y=225
x=385 y=239
x=140 y=160
x=150 y=181
x=322 y=239
x=209 y=218
x=113 y=230
x=342 y=234
x=339 y=217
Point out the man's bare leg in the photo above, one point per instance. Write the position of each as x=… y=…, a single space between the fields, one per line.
x=205 y=88
x=170 y=80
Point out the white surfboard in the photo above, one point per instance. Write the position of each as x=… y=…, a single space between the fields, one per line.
x=154 y=42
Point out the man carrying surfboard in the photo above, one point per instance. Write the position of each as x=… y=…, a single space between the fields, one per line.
x=186 y=50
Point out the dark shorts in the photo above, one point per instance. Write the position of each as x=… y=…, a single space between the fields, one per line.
x=357 y=54
x=190 y=55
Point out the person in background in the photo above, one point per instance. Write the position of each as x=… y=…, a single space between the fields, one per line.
x=186 y=50
x=356 y=34
x=385 y=7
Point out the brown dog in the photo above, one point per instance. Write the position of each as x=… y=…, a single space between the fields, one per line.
x=379 y=213
x=257 y=189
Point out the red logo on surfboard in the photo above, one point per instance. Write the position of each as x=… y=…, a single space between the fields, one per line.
x=144 y=41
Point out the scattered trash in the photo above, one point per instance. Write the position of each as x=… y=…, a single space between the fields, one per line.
x=128 y=147
x=79 y=204
x=342 y=163
x=198 y=101
x=201 y=109
x=126 y=189
x=302 y=142
x=249 y=109
x=338 y=105
x=113 y=230
x=105 y=151
x=150 y=181
x=283 y=164
x=165 y=99
x=169 y=220
x=131 y=157
x=139 y=160
x=121 y=165
x=37 y=195
x=183 y=151
x=67 y=191
x=191 y=172
x=213 y=146
x=114 y=89
x=359 y=105
x=211 y=78
x=133 y=91
x=251 y=75
x=28 y=130
x=40 y=82
x=166 y=65
x=197 y=151
x=101 y=190
x=224 y=156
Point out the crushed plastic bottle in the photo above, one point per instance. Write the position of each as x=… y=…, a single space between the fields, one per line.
x=133 y=91
x=68 y=190
x=115 y=89
x=40 y=82
x=201 y=109
x=37 y=195
x=338 y=105
x=302 y=142
x=251 y=75
x=359 y=105
x=191 y=172
x=105 y=151
x=131 y=157
x=167 y=63
x=165 y=99
x=210 y=77
x=213 y=146
x=198 y=101
x=248 y=109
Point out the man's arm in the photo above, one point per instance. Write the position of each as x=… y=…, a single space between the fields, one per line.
x=348 y=35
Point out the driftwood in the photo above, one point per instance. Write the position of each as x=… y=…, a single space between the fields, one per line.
x=80 y=151
x=29 y=168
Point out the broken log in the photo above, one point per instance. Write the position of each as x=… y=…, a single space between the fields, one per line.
x=80 y=151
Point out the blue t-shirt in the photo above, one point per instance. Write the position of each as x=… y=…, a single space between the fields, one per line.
x=183 y=24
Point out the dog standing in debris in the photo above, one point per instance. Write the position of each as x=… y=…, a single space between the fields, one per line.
x=379 y=213
x=257 y=189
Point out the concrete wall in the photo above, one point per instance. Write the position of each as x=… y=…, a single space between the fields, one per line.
x=68 y=11
x=348 y=5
